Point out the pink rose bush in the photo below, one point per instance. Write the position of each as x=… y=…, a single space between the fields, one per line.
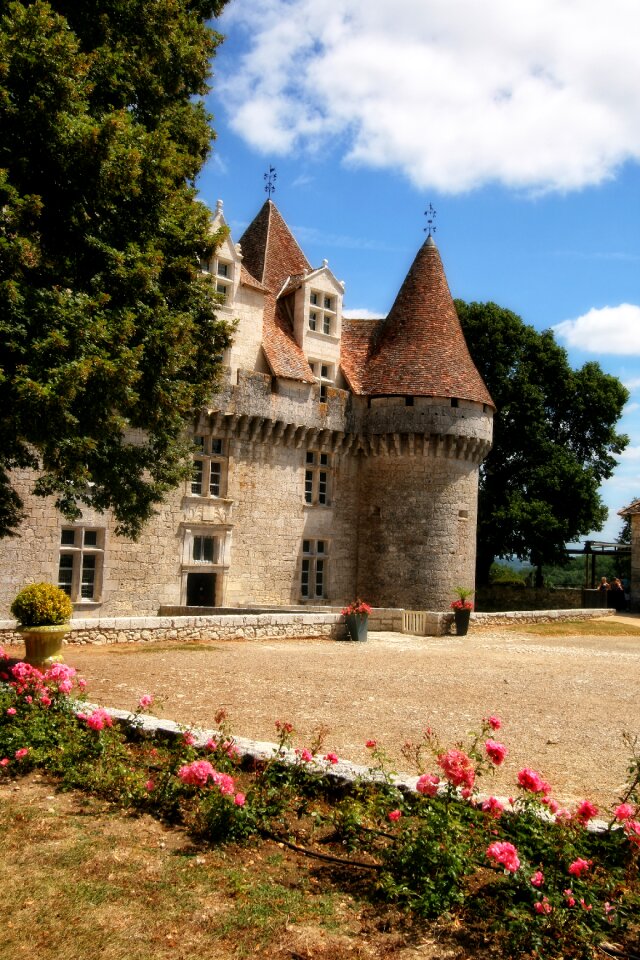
x=431 y=848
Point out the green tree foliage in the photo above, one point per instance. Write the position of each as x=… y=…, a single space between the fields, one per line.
x=554 y=440
x=108 y=337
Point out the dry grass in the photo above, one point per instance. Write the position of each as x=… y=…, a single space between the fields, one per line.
x=582 y=628
x=79 y=879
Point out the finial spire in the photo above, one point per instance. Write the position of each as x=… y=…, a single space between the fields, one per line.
x=270 y=181
x=430 y=214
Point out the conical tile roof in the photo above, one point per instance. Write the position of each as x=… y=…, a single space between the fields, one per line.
x=271 y=254
x=420 y=349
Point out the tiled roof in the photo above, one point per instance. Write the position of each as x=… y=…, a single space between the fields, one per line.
x=271 y=253
x=633 y=508
x=248 y=281
x=356 y=343
x=420 y=349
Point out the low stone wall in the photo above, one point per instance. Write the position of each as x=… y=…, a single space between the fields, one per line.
x=297 y=625
x=536 y=616
x=429 y=623
x=498 y=598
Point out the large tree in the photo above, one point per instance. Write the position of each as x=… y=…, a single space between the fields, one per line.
x=554 y=440
x=108 y=337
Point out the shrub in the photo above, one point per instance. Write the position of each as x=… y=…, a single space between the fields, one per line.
x=41 y=604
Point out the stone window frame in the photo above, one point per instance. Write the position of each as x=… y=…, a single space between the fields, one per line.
x=223 y=271
x=81 y=562
x=210 y=469
x=318 y=477
x=314 y=569
x=325 y=374
x=192 y=532
x=322 y=318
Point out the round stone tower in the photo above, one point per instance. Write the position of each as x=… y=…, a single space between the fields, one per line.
x=426 y=429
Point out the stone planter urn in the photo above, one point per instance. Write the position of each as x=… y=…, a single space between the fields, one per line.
x=43 y=612
x=43 y=644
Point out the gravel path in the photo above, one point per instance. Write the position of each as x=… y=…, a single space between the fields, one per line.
x=564 y=701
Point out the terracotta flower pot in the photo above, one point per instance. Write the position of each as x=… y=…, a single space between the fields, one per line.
x=43 y=644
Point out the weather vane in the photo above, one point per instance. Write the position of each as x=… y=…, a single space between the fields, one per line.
x=430 y=214
x=270 y=181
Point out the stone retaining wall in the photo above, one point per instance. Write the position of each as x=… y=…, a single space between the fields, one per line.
x=237 y=626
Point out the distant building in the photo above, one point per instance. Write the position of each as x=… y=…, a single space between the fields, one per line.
x=339 y=459
x=632 y=512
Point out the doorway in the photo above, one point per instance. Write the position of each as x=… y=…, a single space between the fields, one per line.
x=201 y=589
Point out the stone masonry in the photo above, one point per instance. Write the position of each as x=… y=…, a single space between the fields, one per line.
x=339 y=458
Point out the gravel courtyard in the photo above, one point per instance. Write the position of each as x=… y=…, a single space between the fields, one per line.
x=564 y=701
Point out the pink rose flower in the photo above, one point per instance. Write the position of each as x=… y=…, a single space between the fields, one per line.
x=457 y=768
x=493 y=806
x=624 y=812
x=427 y=784
x=21 y=753
x=632 y=830
x=4 y=762
x=569 y=897
x=537 y=879
x=530 y=780
x=331 y=757
x=579 y=866
x=585 y=906
x=211 y=744
x=494 y=722
x=11 y=711
x=585 y=811
x=394 y=815
x=145 y=701
x=543 y=906
x=371 y=744
x=496 y=751
x=239 y=799
x=197 y=773
x=188 y=739
x=305 y=755
x=505 y=854
x=99 y=719
x=149 y=785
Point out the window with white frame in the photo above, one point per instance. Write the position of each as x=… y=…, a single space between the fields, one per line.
x=223 y=271
x=204 y=549
x=209 y=473
x=80 y=562
x=314 y=571
x=317 y=478
x=322 y=313
x=323 y=372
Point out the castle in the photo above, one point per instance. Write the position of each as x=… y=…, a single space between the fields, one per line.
x=340 y=457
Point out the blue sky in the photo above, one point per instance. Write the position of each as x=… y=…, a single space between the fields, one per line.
x=520 y=123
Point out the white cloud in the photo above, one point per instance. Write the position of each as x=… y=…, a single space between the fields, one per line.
x=363 y=314
x=608 y=330
x=540 y=95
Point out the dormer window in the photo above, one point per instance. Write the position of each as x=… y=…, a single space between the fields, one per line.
x=322 y=320
x=223 y=271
